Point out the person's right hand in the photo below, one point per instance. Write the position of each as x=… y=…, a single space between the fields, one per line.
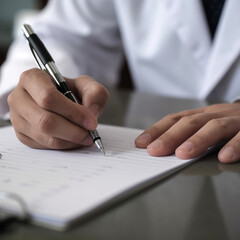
x=44 y=118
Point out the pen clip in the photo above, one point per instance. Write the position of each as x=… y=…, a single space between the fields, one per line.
x=37 y=59
x=40 y=64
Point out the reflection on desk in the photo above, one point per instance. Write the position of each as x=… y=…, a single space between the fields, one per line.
x=199 y=202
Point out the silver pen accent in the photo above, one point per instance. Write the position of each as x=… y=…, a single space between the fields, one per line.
x=94 y=135
x=46 y=62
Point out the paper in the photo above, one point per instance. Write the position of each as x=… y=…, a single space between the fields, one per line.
x=62 y=186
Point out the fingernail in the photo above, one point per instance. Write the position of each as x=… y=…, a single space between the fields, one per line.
x=156 y=144
x=227 y=153
x=186 y=147
x=144 y=139
x=94 y=108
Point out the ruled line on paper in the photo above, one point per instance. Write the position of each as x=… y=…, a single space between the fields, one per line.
x=81 y=179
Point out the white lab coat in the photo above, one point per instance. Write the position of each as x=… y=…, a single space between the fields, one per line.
x=167 y=45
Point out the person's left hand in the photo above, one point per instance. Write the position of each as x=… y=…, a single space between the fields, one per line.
x=190 y=133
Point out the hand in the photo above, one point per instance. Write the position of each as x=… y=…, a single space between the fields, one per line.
x=190 y=133
x=44 y=118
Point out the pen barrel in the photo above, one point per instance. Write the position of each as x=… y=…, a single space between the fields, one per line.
x=43 y=57
x=60 y=81
x=40 y=49
x=94 y=135
x=71 y=96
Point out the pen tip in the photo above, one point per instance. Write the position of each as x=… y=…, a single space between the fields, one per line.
x=103 y=151
x=99 y=144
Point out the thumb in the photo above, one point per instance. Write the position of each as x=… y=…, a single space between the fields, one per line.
x=93 y=95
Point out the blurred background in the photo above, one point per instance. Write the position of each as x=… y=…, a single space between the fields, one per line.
x=12 y=13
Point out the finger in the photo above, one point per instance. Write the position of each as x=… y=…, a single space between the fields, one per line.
x=212 y=133
x=47 y=123
x=28 y=141
x=20 y=123
x=230 y=153
x=92 y=94
x=178 y=133
x=156 y=130
x=36 y=139
x=39 y=86
x=54 y=143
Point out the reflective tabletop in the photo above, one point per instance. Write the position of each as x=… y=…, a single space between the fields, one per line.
x=199 y=202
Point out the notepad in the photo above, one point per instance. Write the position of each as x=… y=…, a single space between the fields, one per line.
x=63 y=187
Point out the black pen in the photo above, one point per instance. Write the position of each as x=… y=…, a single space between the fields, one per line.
x=46 y=62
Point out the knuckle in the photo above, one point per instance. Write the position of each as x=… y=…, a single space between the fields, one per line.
x=190 y=120
x=96 y=88
x=47 y=98
x=54 y=143
x=99 y=89
x=218 y=123
x=174 y=117
x=32 y=75
x=87 y=77
x=46 y=122
x=24 y=75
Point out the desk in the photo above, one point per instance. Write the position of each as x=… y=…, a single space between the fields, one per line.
x=201 y=201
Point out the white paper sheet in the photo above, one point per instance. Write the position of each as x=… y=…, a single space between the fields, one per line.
x=62 y=186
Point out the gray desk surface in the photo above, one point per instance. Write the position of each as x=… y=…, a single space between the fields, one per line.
x=198 y=202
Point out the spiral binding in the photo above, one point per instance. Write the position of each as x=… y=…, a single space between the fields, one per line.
x=5 y=217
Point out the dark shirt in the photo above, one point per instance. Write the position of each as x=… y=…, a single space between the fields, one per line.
x=213 y=10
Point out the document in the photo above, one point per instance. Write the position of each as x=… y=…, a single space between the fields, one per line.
x=62 y=187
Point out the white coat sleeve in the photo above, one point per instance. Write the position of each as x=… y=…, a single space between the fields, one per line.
x=81 y=35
